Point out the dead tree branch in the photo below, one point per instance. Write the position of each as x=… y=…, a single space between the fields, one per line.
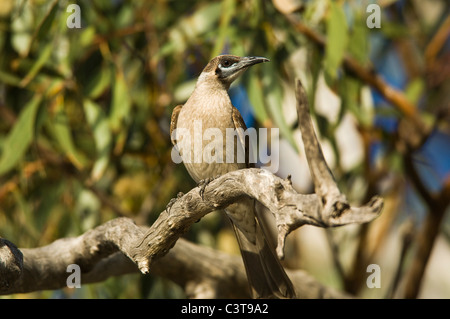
x=102 y=253
x=45 y=267
x=327 y=208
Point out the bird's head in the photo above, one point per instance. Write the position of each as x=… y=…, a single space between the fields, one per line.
x=224 y=69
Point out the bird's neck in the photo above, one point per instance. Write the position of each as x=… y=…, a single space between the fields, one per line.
x=211 y=95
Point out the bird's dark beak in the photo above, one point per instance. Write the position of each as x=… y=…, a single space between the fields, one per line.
x=231 y=73
x=247 y=61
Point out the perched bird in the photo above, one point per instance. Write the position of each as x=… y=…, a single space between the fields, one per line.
x=209 y=109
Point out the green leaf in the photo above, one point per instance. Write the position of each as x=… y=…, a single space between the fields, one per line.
x=10 y=79
x=20 y=27
x=274 y=100
x=337 y=39
x=98 y=83
x=26 y=212
x=60 y=128
x=184 y=90
x=256 y=97
x=394 y=30
x=227 y=11
x=191 y=28
x=20 y=137
x=43 y=58
x=359 y=48
x=46 y=23
x=415 y=89
x=98 y=122
x=349 y=89
x=202 y=20
x=121 y=103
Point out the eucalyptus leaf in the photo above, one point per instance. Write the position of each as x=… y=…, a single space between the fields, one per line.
x=359 y=48
x=20 y=137
x=47 y=21
x=38 y=64
x=274 y=98
x=20 y=29
x=256 y=97
x=121 y=103
x=228 y=9
x=98 y=122
x=10 y=79
x=337 y=39
x=60 y=128
x=98 y=83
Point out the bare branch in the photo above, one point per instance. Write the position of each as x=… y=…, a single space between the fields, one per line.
x=327 y=208
x=291 y=210
x=336 y=209
x=45 y=267
x=203 y=272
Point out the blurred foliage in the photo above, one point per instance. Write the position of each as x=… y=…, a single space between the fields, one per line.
x=84 y=113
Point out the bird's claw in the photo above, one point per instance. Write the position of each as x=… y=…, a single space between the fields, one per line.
x=172 y=201
x=203 y=183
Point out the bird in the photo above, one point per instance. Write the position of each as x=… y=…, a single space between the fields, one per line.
x=209 y=108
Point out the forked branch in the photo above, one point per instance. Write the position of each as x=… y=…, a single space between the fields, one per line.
x=111 y=243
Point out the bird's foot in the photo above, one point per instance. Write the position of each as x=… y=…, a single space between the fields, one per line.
x=203 y=183
x=172 y=201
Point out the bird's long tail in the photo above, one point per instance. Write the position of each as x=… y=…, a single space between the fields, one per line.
x=266 y=276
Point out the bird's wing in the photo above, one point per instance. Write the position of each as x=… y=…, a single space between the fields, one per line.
x=239 y=123
x=173 y=122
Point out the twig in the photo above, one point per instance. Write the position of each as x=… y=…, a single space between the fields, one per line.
x=407 y=231
x=438 y=40
x=369 y=76
x=437 y=205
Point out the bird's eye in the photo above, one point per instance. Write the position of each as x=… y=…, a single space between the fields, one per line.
x=226 y=63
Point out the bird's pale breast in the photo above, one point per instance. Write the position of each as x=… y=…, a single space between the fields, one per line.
x=205 y=136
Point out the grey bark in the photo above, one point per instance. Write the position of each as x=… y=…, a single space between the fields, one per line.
x=119 y=246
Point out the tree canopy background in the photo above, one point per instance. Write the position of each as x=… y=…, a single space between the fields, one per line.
x=84 y=125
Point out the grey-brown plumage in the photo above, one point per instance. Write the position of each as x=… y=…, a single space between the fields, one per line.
x=210 y=107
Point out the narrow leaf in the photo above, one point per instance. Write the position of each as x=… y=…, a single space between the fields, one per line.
x=274 y=99
x=359 y=47
x=47 y=21
x=43 y=58
x=60 y=128
x=20 y=137
x=337 y=39
x=256 y=98
x=121 y=103
x=102 y=135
